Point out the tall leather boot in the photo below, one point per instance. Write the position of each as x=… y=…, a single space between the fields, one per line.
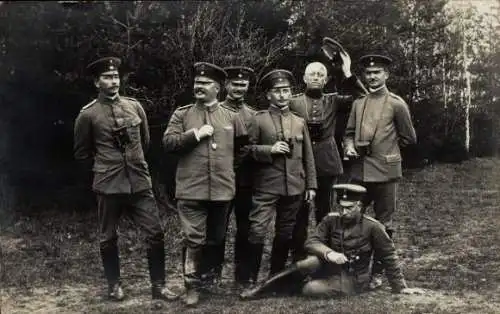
x=156 y=266
x=192 y=279
x=111 y=263
x=241 y=251
x=279 y=255
x=254 y=260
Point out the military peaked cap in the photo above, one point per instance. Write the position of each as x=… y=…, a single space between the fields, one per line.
x=374 y=60
x=102 y=65
x=210 y=70
x=349 y=192
x=239 y=72
x=275 y=76
x=332 y=49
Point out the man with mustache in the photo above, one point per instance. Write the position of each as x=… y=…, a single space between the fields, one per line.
x=284 y=172
x=111 y=136
x=237 y=84
x=379 y=124
x=206 y=135
x=320 y=110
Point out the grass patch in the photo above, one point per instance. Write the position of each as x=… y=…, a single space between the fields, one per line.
x=447 y=237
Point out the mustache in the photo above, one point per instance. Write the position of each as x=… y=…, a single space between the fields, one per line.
x=199 y=90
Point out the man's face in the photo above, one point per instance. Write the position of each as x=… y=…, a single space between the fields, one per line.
x=350 y=209
x=205 y=89
x=315 y=76
x=375 y=76
x=237 y=88
x=108 y=83
x=280 y=94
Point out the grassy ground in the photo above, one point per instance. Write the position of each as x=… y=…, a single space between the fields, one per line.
x=448 y=240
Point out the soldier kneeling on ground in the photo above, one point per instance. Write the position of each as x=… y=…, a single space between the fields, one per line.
x=341 y=250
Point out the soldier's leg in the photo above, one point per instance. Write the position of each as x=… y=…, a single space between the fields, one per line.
x=299 y=235
x=242 y=208
x=216 y=234
x=286 y=214
x=144 y=212
x=385 y=202
x=261 y=215
x=384 y=205
x=109 y=209
x=324 y=197
x=193 y=219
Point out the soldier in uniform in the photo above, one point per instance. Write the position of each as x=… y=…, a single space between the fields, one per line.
x=284 y=171
x=320 y=109
x=111 y=136
x=341 y=250
x=205 y=135
x=237 y=84
x=379 y=124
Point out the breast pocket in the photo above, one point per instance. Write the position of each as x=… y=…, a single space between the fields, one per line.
x=297 y=147
x=134 y=129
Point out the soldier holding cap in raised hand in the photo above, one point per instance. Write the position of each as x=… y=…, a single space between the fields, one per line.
x=206 y=136
x=379 y=124
x=111 y=136
x=320 y=111
x=284 y=171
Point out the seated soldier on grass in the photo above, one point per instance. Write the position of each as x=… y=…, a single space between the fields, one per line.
x=342 y=247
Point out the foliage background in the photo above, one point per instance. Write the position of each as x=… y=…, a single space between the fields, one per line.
x=45 y=46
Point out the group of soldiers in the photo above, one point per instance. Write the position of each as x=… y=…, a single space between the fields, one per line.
x=259 y=164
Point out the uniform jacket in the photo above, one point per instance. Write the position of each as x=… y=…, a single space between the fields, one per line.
x=279 y=174
x=205 y=170
x=243 y=168
x=383 y=119
x=115 y=170
x=323 y=108
x=357 y=241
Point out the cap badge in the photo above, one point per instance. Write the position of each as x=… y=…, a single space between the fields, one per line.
x=202 y=72
x=240 y=75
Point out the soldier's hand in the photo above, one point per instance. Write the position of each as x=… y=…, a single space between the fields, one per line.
x=346 y=63
x=310 y=194
x=412 y=291
x=351 y=152
x=280 y=147
x=337 y=258
x=205 y=131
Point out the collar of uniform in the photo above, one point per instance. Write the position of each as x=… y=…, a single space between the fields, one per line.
x=382 y=90
x=235 y=103
x=275 y=109
x=314 y=93
x=108 y=100
x=210 y=107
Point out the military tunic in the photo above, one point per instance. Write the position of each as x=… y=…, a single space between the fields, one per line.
x=115 y=171
x=357 y=240
x=324 y=110
x=277 y=174
x=383 y=119
x=205 y=169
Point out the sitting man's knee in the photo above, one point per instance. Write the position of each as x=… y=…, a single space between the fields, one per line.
x=316 y=288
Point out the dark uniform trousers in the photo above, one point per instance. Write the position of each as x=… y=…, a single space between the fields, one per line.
x=241 y=205
x=323 y=205
x=285 y=208
x=142 y=209
x=204 y=226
